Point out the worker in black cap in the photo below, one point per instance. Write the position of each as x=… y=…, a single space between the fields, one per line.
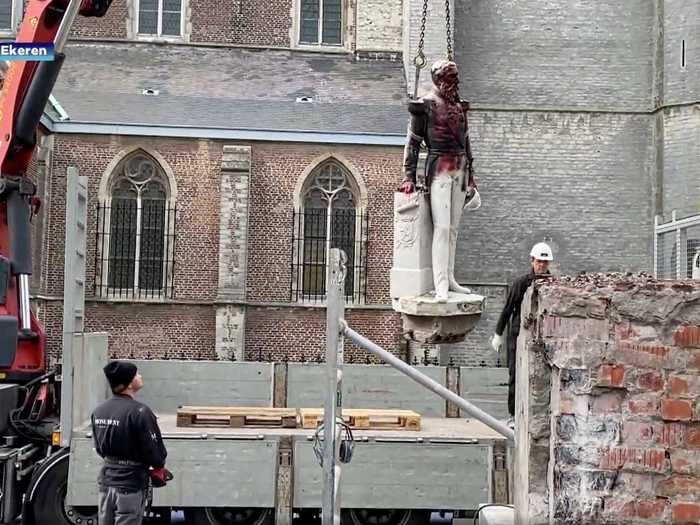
x=128 y=439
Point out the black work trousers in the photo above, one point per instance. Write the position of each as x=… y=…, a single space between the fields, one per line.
x=511 y=346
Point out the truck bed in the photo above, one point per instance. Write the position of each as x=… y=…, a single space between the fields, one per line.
x=431 y=428
x=448 y=464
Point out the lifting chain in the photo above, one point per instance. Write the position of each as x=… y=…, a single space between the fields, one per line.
x=449 y=30
x=420 y=61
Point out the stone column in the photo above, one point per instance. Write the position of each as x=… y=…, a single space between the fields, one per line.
x=233 y=252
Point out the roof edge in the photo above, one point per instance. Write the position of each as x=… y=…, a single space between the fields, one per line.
x=87 y=128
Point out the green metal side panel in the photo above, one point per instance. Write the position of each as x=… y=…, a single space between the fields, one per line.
x=208 y=473
x=401 y=476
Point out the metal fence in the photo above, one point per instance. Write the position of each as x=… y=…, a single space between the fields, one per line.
x=311 y=242
x=677 y=248
x=135 y=250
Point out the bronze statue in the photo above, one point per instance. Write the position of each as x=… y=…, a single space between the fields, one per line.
x=439 y=120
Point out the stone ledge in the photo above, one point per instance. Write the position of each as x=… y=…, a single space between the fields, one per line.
x=426 y=305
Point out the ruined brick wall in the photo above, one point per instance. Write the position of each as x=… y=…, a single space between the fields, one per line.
x=608 y=407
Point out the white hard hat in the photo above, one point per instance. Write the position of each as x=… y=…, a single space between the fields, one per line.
x=474 y=202
x=542 y=252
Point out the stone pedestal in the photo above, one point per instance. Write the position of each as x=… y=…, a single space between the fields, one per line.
x=412 y=270
x=427 y=321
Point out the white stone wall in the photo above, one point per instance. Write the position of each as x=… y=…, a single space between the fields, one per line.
x=379 y=25
x=230 y=332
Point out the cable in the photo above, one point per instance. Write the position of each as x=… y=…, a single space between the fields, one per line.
x=476 y=515
x=347 y=442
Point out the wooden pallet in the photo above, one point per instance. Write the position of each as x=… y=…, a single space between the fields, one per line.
x=366 y=419
x=251 y=417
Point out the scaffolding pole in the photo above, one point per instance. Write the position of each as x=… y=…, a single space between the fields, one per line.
x=335 y=312
x=428 y=383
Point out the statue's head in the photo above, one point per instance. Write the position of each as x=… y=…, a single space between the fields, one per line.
x=446 y=78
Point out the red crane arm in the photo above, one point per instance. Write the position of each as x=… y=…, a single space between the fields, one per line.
x=26 y=89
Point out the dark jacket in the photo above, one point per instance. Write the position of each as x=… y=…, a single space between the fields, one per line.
x=444 y=129
x=127 y=436
x=511 y=311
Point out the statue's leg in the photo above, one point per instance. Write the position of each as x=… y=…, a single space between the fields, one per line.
x=440 y=204
x=458 y=196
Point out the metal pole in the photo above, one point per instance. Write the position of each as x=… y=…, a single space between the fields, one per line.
x=429 y=383
x=73 y=290
x=66 y=23
x=335 y=311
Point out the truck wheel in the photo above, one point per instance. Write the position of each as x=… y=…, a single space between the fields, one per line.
x=386 y=517
x=228 y=516
x=49 y=497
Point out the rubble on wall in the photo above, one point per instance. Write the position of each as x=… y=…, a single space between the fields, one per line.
x=608 y=401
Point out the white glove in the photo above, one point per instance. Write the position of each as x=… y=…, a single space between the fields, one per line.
x=497 y=342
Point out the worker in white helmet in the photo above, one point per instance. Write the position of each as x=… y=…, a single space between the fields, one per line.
x=541 y=256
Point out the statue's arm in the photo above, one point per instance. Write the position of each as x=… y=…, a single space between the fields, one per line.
x=414 y=139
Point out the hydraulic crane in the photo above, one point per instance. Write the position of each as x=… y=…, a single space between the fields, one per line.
x=26 y=89
x=34 y=465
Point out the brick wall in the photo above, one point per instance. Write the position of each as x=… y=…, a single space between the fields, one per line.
x=681 y=22
x=596 y=55
x=298 y=334
x=681 y=143
x=608 y=407
x=583 y=182
x=275 y=170
x=112 y=25
x=247 y=22
x=196 y=166
x=242 y=22
x=140 y=331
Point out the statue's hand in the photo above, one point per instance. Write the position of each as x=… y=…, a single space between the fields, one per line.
x=407 y=186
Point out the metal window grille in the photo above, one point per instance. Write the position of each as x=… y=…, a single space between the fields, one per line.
x=677 y=248
x=135 y=249
x=160 y=17
x=311 y=245
x=320 y=22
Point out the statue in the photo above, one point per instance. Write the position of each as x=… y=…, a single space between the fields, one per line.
x=439 y=120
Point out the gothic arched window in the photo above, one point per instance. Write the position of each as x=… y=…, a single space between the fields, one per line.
x=330 y=217
x=137 y=223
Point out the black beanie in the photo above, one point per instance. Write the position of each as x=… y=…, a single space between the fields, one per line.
x=119 y=373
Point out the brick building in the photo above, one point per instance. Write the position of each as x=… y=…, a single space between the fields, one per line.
x=205 y=128
x=213 y=147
